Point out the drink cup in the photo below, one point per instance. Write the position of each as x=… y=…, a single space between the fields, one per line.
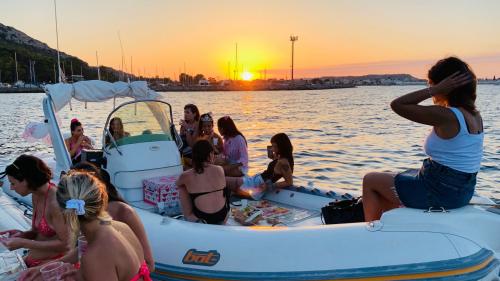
x=82 y=246
x=52 y=271
x=215 y=141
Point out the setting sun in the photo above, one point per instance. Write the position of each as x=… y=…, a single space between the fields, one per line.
x=247 y=76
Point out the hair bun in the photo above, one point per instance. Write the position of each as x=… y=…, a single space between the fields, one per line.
x=74 y=120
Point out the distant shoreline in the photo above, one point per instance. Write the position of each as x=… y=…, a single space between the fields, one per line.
x=20 y=90
x=195 y=88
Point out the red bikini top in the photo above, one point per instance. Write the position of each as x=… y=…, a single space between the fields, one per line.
x=143 y=273
x=43 y=227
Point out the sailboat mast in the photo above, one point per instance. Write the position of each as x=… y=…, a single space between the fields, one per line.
x=57 y=43
x=17 y=73
x=98 y=67
x=236 y=64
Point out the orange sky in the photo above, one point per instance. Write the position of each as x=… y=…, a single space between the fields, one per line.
x=335 y=37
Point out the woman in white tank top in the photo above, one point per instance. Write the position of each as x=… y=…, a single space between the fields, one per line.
x=454 y=146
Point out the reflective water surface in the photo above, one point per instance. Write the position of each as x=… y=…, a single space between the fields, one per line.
x=338 y=135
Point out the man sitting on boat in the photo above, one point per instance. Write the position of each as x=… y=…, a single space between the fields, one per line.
x=454 y=146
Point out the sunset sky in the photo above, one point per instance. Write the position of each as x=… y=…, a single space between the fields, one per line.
x=350 y=37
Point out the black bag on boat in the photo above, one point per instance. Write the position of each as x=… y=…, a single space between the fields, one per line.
x=343 y=211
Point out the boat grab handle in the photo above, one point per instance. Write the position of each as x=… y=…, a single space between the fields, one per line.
x=436 y=210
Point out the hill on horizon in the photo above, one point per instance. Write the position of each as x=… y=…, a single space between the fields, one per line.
x=16 y=43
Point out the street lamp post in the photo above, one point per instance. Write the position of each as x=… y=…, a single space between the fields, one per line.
x=293 y=39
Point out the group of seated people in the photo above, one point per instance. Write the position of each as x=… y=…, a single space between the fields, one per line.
x=220 y=166
x=446 y=179
x=86 y=202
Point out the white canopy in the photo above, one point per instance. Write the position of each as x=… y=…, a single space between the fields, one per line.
x=96 y=90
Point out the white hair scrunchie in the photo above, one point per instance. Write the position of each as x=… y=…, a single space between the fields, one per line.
x=76 y=204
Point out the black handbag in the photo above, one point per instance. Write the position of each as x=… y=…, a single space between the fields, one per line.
x=343 y=211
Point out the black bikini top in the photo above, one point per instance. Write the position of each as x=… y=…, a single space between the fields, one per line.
x=269 y=173
x=212 y=218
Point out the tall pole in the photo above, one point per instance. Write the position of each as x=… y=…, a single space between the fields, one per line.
x=57 y=44
x=236 y=64
x=293 y=39
x=123 y=58
x=17 y=73
x=98 y=67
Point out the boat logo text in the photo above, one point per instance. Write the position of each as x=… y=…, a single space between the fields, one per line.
x=195 y=257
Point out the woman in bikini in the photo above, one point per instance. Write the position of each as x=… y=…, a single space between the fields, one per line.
x=113 y=251
x=204 y=197
x=48 y=237
x=77 y=141
x=281 y=167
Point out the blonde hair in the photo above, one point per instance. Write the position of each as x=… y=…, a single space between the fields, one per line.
x=88 y=188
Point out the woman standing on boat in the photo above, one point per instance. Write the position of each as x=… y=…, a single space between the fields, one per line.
x=235 y=160
x=77 y=141
x=48 y=237
x=454 y=146
x=206 y=129
x=202 y=189
x=113 y=251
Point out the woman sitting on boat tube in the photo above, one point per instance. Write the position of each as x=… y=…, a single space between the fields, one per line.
x=203 y=193
x=77 y=141
x=235 y=156
x=454 y=146
x=48 y=237
x=116 y=130
x=118 y=209
x=281 y=166
x=113 y=251
x=206 y=132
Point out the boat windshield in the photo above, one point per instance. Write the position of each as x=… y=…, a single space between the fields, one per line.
x=139 y=122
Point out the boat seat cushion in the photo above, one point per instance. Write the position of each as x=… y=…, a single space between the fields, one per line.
x=143 y=138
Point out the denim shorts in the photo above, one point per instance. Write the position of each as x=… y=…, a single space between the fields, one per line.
x=435 y=185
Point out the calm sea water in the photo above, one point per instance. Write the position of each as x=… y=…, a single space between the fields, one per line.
x=338 y=135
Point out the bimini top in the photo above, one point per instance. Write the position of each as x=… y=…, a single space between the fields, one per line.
x=96 y=90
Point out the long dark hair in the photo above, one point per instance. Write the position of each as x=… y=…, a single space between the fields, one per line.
x=464 y=96
x=74 y=124
x=194 y=109
x=285 y=148
x=103 y=176
x=201 y=155
x=228 y=127
x=29 y=168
